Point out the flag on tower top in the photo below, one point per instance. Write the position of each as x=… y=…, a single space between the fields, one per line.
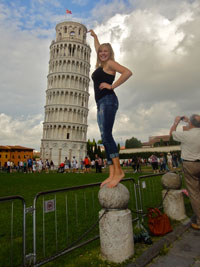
x=68 y=11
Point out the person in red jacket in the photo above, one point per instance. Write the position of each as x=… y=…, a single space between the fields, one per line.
x=87 y=164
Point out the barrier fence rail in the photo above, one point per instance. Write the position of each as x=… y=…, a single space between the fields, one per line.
x=65 y=215
x=66 y=219
x=149 y=190
x=13 y=230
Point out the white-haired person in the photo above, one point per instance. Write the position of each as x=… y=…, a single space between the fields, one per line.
x=107 y=104
x=190 y=154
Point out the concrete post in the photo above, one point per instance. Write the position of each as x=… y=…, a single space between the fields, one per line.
x=173 y=203
x=116 y=231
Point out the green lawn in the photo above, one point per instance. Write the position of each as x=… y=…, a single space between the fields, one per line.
x=28 y=185
x=82 y=211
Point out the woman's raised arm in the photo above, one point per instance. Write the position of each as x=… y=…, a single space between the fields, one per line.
x=96 y=40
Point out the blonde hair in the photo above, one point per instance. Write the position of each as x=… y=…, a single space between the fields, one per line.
x=112 y=56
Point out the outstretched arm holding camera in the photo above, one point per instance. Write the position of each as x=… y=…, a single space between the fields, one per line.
x=177 y=121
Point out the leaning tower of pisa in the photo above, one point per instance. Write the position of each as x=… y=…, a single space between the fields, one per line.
x=66 y=109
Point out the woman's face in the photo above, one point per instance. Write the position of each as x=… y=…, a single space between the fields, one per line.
x=104 y=53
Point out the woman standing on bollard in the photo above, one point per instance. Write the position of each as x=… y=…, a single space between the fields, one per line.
x=107 y=104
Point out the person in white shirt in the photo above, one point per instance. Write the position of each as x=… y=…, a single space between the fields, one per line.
x=39 y=165
x=8 y=166
x=169 y=160
x=74 y=164
x=190 y=154
x=21 y=165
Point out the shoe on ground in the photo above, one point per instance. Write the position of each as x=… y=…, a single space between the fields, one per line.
x=143 y=236
x=137 y=238
x=146 y=238
x=195 y=226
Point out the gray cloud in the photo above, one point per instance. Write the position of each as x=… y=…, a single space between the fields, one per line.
x=21 y=131
x=163 y=55
x=24 y=67
x=157 y=40
x=104 y=10
x=169 y=9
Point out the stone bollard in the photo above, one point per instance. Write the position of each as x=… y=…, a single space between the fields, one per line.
x=116 y=230
x=173 y=203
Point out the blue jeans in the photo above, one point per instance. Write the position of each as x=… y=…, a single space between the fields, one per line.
x=106 y=110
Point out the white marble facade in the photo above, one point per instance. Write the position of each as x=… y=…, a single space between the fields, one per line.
x=66 y=109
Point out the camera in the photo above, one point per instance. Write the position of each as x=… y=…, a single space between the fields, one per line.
x=182 y=118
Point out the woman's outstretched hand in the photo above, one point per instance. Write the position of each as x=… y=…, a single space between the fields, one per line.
x=92 y=33
x=105 y=86
x=96 y=41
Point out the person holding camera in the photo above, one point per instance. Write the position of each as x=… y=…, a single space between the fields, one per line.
x=190 y=154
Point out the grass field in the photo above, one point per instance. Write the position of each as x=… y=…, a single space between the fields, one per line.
x=82 y=210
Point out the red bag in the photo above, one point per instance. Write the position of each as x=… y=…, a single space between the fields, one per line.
x=159 y=223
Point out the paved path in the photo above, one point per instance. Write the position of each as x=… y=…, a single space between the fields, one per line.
x=184 y=253
x=184 y=249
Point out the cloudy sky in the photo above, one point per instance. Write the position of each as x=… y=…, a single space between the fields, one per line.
x=159 y=40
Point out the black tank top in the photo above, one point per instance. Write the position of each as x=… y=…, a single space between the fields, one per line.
x=100 y=76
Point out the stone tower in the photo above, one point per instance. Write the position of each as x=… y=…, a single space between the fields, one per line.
x=66 y=109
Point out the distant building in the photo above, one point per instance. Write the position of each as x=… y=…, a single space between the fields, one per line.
x=155 y=140
x=14 y=154
x=36 y=154
x=158 y=149
x=160 y=143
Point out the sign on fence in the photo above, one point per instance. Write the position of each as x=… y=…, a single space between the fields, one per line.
x=49 y=205
x=143 y=184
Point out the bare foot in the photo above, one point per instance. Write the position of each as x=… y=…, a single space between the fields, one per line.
x=106 y=181
x=116 y=179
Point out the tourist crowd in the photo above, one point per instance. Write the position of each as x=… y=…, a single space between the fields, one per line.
x=158 y=164
x=37 y=165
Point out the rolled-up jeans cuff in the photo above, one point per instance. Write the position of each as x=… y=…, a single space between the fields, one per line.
x=114 y=155
x=109 y=162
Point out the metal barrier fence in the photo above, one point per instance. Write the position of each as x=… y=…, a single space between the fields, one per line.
x=149 y=190
x=13 y=231
x=66 y=219
x=62 y=217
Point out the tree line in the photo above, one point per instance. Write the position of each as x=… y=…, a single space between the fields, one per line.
x=94 y=147
x=135 y=143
